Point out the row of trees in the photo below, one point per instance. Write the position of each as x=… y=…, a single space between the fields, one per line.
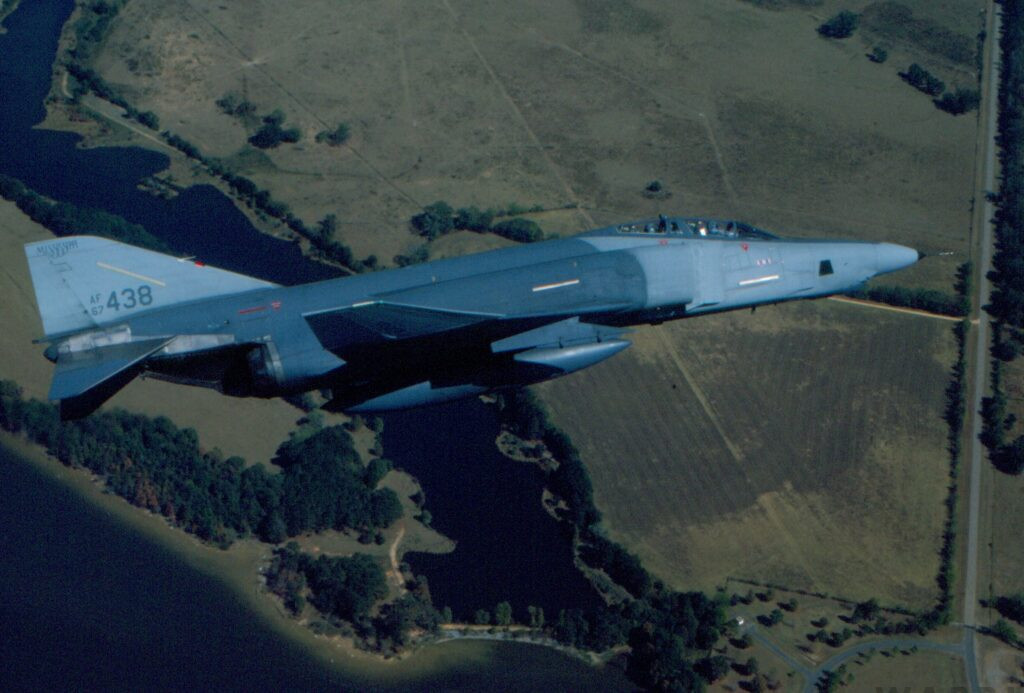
x=670 y=634
x=91 y=27
x=65 y=219
x=336 y=137
x=840 y=26
x=236 y=106
x=922 y=299
x=1006 y=306
x=957 y=102
x=955 y=411
x=155 y=465
x=1011 y=606
x=260 y=199
x=922 y=80
x=88 y=80
x=440 y=218
x=270 y=132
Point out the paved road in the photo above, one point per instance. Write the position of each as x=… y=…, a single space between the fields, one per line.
x=983 y=225
x=887 y=644
x=811 y=676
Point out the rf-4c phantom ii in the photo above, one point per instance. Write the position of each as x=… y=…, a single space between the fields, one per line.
x=416 y=335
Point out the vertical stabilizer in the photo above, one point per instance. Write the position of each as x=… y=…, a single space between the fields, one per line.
x=84 y=282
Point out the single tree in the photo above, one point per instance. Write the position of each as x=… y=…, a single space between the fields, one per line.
x=840 y=26
x=503 y=614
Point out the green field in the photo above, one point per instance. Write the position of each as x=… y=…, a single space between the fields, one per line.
x=914 y=671
x=802 y=444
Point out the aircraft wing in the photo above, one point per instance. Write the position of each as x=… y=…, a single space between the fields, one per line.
x=374 y=323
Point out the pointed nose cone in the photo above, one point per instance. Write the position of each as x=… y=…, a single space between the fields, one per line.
x=890 y=257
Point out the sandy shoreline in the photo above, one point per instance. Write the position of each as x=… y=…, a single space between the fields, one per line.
x=238 y=567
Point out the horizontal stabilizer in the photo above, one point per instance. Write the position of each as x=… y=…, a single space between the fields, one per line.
x=82 y=282
x=86 y=379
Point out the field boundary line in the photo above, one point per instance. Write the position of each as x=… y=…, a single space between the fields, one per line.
x=659 y=96
x=519 y=115
x=403 y=64
x=705 y=403
x=259 y=67
x=726 y=181
x=895 y=309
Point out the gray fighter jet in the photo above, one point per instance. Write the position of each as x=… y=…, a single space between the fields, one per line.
x=416 y=335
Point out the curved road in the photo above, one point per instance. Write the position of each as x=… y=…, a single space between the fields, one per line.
x=812 y=676
x=887 y=644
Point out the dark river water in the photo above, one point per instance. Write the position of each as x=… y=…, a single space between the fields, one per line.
x=508 y=547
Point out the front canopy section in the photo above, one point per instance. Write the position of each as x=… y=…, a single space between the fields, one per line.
x=693 y=227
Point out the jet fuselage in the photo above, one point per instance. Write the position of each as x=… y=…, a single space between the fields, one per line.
x=448 y=328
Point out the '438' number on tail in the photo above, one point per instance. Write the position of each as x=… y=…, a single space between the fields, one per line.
x=123 y=299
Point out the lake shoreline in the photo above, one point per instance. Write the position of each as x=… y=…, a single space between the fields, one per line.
x=239 y=568
x=229 y=566
x=213 y=416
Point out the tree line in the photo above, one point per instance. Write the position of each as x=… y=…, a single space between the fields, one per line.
x=957 y=102
x=440 y=218
x=153 y=464
x=670 y=633
x=954 y=413
x=66 y=219
x=1006 y=306
x=929 y=300
x=92 y=25
x=90 y=29
x=260 y=199
x=270 y=134
x=88 y=80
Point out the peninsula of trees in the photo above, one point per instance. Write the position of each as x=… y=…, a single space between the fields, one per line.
x=155 y=465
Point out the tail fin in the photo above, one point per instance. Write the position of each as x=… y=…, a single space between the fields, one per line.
x=83 y=282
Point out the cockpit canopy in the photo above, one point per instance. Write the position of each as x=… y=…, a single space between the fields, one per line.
x=695 y=227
